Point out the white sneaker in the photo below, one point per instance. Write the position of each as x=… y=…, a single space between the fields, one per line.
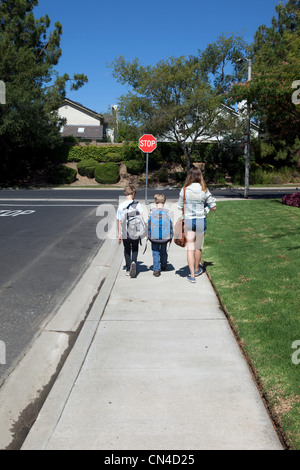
x=133 y=269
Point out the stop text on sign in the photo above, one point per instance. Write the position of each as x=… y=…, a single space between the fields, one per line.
x=147 y=143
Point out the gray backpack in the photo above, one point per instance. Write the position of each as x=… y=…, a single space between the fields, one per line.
x=133 y=224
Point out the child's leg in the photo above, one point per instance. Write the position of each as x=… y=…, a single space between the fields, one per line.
x=135 y=250
x=163 y=255
x=156 y=257
x=127 y=253
x=191 y=252
x=198 y=254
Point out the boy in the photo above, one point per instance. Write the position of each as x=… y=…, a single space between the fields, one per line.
x=126 y=210
x=160 y=232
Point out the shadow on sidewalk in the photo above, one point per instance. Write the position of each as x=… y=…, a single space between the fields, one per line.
x=184 y=271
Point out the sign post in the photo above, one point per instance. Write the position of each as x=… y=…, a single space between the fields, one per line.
x=2 y=92
x=147 y=144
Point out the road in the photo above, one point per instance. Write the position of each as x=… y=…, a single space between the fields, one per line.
x=45 y=247
x=47 y=241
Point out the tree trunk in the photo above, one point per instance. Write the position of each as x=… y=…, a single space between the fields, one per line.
x=187 y=152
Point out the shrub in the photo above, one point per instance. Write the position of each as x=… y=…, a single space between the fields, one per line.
x=99 y=154
x=163 y=176
x=181 y=176
x=87 y=167
x=107 y=173
x=134 y=167
x=112 y=157
x=61 y=175
x=282 y=176
x=132 y=152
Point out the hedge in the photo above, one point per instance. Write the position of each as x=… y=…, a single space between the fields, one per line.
x=116 y=154
x=87 y=167
x=134 y=167
x=61 y=175
x=107 y=173
x=99 y=154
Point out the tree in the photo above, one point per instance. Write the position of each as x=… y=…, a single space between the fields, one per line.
x=177 y=98
x=276 y=65
x=172 y=100
x=29 y=123
x=220 y=59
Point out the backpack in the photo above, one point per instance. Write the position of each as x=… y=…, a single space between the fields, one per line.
x=160 y=227
x=133 y=224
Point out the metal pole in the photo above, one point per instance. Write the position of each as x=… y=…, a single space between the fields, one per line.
x=247 y=139
x=146 y=189
x=2 y=92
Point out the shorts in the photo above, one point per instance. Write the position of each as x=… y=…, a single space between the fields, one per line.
x=195 y=230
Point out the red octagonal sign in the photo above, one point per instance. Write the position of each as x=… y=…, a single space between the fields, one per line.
x=147 y=143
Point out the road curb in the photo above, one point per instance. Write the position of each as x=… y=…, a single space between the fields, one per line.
x=53 y=407
x=38 y=369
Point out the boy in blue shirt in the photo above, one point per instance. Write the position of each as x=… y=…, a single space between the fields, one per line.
x=160 y=232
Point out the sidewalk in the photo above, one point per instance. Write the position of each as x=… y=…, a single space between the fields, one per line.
x=156 y=366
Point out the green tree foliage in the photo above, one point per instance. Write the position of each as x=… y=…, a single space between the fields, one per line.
x=220 y=59
x=171 y=99
x=276 y=66
x=176 y=99
x=29 y=51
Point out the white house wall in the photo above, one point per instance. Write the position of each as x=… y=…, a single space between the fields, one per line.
x=77 y=118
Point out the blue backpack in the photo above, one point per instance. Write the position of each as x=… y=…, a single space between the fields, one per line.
x=160 y=227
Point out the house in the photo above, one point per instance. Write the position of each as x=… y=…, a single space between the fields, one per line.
x=225 y=112
x=83 y=123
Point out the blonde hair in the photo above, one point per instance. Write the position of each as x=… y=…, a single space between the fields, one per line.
x=129 y=190
x=159 y=198
x=195 y=176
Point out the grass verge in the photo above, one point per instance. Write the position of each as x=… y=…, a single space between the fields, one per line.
x=252 y=255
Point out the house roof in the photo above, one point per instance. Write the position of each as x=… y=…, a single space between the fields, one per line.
x=238 y=114
x=83 y=132
x=80 y=107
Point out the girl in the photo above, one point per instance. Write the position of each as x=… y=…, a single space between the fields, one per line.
x=197 y=196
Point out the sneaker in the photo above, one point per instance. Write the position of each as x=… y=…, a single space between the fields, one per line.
x=156 y=273
x=132 y=269
x=164 y=268
x=191 y=279
x=200 y=271
x=127 y=273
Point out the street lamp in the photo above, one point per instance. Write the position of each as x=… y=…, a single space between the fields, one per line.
x=114 y=109
x=247 y=134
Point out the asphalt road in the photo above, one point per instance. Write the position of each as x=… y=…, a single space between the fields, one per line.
x=45 y=247
x=47 y=241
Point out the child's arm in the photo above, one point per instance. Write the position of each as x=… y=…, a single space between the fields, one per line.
x=119 y=231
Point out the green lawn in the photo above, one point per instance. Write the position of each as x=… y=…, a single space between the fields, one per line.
x=252 y=254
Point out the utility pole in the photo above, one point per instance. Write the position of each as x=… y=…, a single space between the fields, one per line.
x=2 y=92
x=247 y=133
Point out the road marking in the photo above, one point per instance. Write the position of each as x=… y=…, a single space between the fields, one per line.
x=52 y=205
x=56 y=200
x=14 y=213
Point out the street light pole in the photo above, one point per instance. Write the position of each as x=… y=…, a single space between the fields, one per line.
x=247 y=134
x=247 y=139
x=2 y=92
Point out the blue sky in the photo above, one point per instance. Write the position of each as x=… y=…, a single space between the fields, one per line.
x=95 y=32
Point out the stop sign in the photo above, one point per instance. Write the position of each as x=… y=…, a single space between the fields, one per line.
x=147 y=143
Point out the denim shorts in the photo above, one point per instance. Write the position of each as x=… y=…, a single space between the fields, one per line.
x=195 y=229
x=196 y=225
